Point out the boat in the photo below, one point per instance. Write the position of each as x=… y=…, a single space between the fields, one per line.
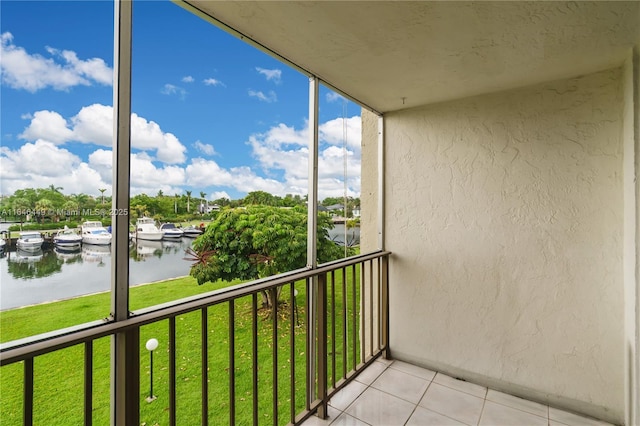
x=94 y=233
x=170 y=231
x=146 y=229
x=30 y=241
x=67 y=239
x=191 y=231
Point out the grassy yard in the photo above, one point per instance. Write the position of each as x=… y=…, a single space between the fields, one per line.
x=59 y=376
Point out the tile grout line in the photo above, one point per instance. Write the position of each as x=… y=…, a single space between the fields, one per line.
x=484 y=403
x=415 y=406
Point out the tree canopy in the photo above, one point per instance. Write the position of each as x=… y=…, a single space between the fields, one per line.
x=258 y=241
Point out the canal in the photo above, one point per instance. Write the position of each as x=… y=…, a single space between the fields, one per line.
x=30 y=278
x=27 y=279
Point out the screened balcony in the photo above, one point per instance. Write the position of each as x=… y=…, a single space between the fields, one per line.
x=500 y=217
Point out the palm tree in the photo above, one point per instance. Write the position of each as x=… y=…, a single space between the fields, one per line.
x=188 y=201
x=54 y=188
x=102 y=192
x=21 y=205
x=43 y=207
x=81 y=199
x=160 y=193
x=175 y=204
x=204 y=201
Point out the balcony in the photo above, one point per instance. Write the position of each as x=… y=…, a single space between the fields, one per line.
x=330 y=324
x=342 y=373
x=392 y=392
x=506 y=142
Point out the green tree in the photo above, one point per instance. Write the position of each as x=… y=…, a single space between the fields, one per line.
x=44 y=207
x=258 y=241
x=70 y=208
x=81 y=200
x=260 y=198
x=222 y=202
x=20 y=206
x=102 y=192
x=29 y=194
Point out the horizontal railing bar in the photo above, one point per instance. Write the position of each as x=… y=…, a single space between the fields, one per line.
x=49 y=335
x=49 y=342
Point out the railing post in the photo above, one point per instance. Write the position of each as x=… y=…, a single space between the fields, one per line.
x=312 y=229
x=125 y=350
x=384 y=303
x=322 y=344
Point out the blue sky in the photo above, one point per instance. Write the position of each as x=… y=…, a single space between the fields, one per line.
x=209 y=112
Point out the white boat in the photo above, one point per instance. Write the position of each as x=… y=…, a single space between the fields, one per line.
x=30 y=241
x=191 y=231
x=94 y=233
x=146 y=229
x=170 y=231
x=67 y=239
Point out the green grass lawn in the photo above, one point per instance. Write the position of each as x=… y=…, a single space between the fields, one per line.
x=58 y=387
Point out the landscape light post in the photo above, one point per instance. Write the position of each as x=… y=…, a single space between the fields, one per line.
x=151 y=345
x=295 y=305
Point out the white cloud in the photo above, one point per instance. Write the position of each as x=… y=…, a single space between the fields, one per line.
x=94 y=125
x=147 y=135
x=202 y=173
x=213 y=82
x=281 y=154
x=333 y=132
x=145 y=176
x=204 y=148
x=284 y=148
x=286 y=135
x=170 y=89
x=95 y=68
x=272 y=75
x=47 y=125
x=41 y=164
x=269 y=98
x=188 y=79
x=32 y=72
x=333 y=96
x=219 y=194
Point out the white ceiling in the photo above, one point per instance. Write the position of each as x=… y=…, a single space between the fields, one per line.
x=383 y=51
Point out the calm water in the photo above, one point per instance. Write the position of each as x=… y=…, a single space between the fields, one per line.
x=27 y=278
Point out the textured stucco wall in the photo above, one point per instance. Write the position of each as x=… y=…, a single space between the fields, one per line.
x=504 y=214
x=631 y=169
x=369 y=183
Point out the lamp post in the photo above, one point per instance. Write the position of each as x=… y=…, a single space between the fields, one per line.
x=295 y=305
x=151 y=345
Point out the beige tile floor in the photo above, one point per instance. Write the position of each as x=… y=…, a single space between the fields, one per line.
x=396 y=393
